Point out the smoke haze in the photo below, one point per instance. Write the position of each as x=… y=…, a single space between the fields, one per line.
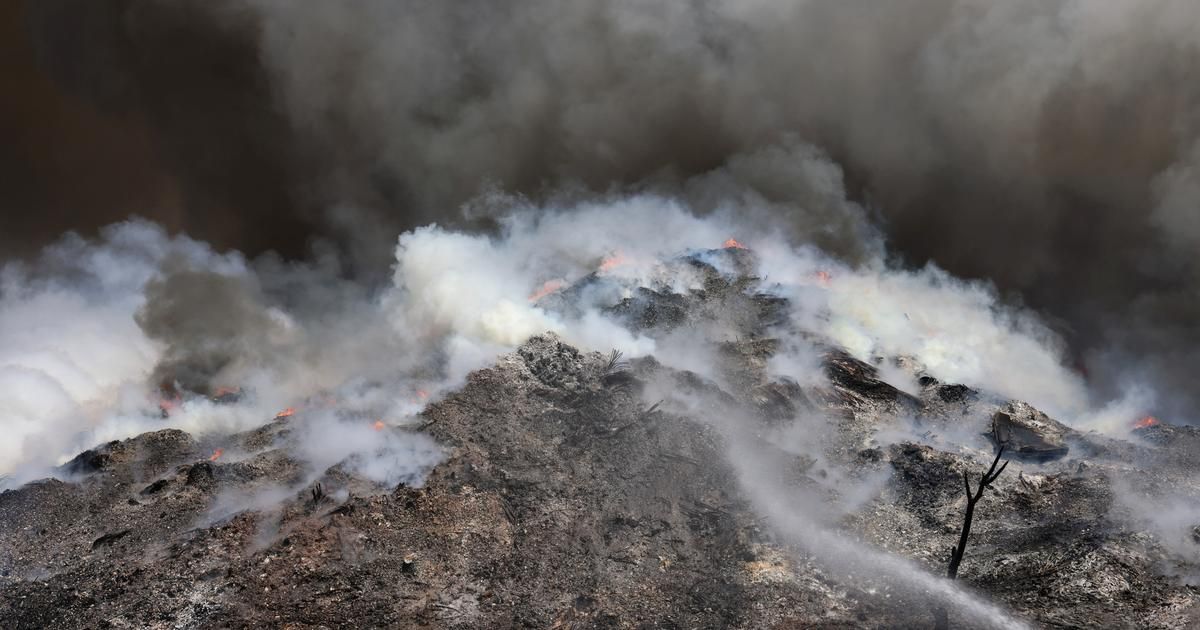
x=1050 y=148
x=364 y=201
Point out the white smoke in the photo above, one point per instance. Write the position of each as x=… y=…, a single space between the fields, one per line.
x=969 y=92
x=457 y=300
x=72 y=358
x=79 y=365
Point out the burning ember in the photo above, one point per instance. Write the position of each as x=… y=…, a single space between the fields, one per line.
x=731 y=243
x=226 y=395
x=616 y=259
x=823 y=277
x=1147 y=422
x=379 y=425
x=285 y=413
x=167 y=405
x=550 y=286
x=216 y=454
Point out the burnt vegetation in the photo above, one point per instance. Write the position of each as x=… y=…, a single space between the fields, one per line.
x=940 y=613
x=985 y=480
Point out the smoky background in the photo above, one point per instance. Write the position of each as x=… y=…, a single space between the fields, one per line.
x=1048 y=148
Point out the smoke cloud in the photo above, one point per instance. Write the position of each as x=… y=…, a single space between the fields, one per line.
x=1047 y=147
x=406 y=180
x=157 y=319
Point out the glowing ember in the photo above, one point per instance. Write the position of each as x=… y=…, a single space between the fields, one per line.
x=823 y=277
x=167 y=405
x=286 y=412
x=613 y=261
x=1148 y=421
x=419 y=397
x=550 y=286
x=215 y=455
x=732 y=244
x=379 y=425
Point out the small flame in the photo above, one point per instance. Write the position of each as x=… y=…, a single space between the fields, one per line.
x=379 y=425
x=731 y=243
x=823 y=277
x=167 y=405
x=616 y=259
x=215 y=455
x=550 y=286
x=422 y=394
x=1148 y=421
x=285 y=413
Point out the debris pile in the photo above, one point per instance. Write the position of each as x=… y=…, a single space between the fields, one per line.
x=577 y=489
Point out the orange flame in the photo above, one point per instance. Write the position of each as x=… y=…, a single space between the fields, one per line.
x=285 y=413
x=1148 y=421
x=167 y=405
x=616 y=259
x=731 y=243
x=823 y=277
x=379 y=425
x=422 y=394
x=215 y=455
x=550 y=286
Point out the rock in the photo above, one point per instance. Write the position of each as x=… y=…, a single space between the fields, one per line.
x=109 y=539
x=1029 y=434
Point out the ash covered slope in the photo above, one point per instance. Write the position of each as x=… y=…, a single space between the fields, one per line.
x=564 y=500
x=580 y=491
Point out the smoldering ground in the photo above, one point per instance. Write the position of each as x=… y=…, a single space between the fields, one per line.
x=294 y=334
x=1045 y=148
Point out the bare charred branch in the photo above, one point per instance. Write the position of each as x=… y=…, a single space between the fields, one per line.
x=941 y=618
x=985 y=480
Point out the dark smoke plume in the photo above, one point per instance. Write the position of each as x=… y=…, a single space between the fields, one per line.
x=1053 y=148
x=207 y=321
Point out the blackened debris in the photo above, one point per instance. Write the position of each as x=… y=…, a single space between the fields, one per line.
x=156 y=487
x=109 y=539
x=200 y=474
x=1029 y=434
x=956 y=393
x=87 y=462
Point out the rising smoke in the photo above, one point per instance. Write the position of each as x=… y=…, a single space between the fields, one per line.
x=1047 y=150
x=1047 y=147
x=455 y=302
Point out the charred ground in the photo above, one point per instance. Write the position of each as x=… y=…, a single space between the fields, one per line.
x=579 y=490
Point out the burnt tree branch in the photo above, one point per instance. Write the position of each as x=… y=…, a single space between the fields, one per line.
x=985 y=480
x=941 y=616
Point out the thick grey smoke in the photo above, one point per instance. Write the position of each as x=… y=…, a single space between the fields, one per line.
x=1048 y=147
x=207 y=320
